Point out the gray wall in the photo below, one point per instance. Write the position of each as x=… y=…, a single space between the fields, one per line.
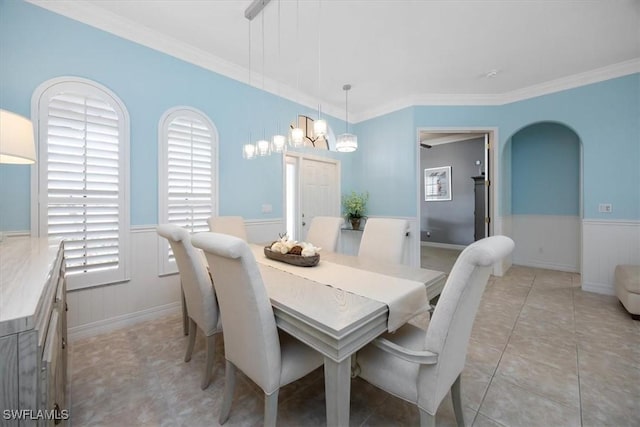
x=451 y=221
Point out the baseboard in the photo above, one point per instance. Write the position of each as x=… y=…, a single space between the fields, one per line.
x=598 y=288
x=119 y=322
x=546 y=265
x=442 y=245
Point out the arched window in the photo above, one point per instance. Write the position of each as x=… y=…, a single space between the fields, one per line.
x=188 y=174
x=81 y=186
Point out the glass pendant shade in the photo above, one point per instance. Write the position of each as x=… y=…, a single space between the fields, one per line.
x=320 y=128
x=278 y=143
x=248 y=151
x=263 y=148
x=297 y=137
x=347 y=143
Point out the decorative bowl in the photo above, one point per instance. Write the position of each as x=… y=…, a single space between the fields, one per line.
x=299 y=260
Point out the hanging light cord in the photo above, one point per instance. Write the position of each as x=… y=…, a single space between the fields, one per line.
x=346 y=106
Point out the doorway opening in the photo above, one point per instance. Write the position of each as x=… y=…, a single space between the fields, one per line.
x=459 y=208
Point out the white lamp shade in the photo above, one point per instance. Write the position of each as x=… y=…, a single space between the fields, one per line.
x=278 y=143
x=248 y=151
x=319 y=128
x=347 y=143
x=16 y=139
x=297 y=137
x=263 y=147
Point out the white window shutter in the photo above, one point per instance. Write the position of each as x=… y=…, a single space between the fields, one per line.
x=82 y=182
x=188 y=175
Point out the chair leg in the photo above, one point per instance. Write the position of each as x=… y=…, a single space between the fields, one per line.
x=426 y=419
x=193 y=329
x=271 y=409
x=457 y=400
x=211 y=348
x=185 y=314
x=229 y=386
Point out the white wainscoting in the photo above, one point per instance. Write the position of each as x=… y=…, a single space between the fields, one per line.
x=146 y=296
x=547 y=241
x=605 y=245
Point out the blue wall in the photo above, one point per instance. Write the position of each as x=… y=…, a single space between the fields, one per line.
x=37 y=45
x=605 y=116
x=545 y=171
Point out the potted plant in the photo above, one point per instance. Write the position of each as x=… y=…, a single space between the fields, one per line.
x=355 y=207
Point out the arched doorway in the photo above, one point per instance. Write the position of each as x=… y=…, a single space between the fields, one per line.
x=542 y=193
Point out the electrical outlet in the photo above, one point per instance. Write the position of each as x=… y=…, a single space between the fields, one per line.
x=267 y=208
x=605 y=208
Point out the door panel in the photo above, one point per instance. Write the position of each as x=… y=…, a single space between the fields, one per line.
x=319 y=191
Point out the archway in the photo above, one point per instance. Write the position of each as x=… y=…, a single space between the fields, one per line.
x=542 y=194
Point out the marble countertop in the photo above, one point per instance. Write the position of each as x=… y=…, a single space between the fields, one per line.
x=25 y=266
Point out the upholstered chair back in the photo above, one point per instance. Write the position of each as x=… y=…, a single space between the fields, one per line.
x=324 y=232
x=450 y=326
x=198 y=290
x=232 y=225
x=251 y=340
x=383 y=239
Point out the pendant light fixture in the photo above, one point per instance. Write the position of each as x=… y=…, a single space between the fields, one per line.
x=297 y=134
x=320 y=127
x=249 y=149
x=347 y=142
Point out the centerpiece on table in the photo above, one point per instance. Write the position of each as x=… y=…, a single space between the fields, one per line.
x=302 y=254
x=355 y=207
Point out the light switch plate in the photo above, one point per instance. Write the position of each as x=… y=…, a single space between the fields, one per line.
x=605 y=208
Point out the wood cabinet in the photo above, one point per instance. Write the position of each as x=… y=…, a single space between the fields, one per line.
x=33 y=333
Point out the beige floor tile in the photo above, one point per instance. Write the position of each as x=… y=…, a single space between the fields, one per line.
x=510 y=405
x=557 y=354
x=540 y=378
x=535 y=331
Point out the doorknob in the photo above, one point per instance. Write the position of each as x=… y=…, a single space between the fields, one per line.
x=304 y=223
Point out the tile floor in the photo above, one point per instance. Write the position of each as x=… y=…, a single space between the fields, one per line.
x=542 y=353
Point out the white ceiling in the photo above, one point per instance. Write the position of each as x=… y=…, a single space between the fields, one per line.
x=395 y=53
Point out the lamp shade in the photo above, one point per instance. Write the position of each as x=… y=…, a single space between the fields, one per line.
x=16 y=139
x=320 y=128
x=263 y=148
x=347 y=143
x=278 y=143
x=249 y=151
x=297 y=137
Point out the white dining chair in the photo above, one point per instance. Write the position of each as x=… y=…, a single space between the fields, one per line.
x=421 y=367
x=252 y=342
x=324 y=232
x=383 y=239
x=199 y=294
x=232 y=225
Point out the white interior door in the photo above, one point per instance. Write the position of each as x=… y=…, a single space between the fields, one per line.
x=313 y=189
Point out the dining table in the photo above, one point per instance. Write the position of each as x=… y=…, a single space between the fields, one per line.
x=342 y=304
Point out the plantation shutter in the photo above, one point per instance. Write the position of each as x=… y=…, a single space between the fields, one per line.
x=188 y=186
x=84 y=184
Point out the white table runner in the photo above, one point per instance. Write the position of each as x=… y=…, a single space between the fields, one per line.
x=405 y=298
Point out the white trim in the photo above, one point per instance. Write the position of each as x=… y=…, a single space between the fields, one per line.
x=546 y=265
x=123 y=321
x=442 y=245
x=39 y=221
x=611 y=221
x=570 y=82
x=598 y=288
x=107 y=21
x=165 y=266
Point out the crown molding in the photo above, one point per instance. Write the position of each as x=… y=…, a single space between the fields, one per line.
x=570 y=82
x=115 y=24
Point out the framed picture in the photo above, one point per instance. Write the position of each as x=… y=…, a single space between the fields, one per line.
x=437 y=184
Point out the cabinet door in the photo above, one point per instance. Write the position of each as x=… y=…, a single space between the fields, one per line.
x=52 y=398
